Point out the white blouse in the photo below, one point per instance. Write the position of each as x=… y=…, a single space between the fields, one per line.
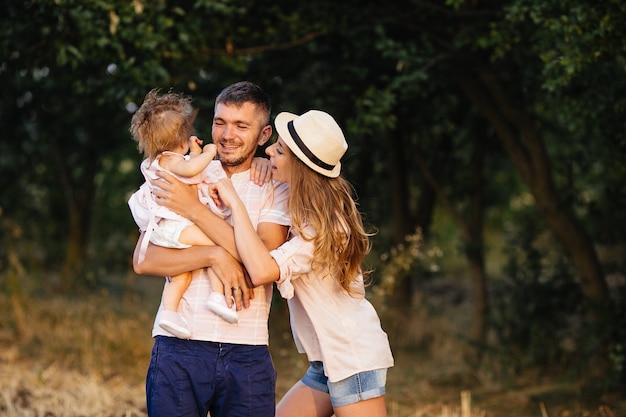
x=328 y=324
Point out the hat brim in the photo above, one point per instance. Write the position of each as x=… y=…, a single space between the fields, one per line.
x=281 y=127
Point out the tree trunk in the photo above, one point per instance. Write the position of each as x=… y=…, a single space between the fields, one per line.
x=474 y=251
x=399 y=194
x=400 y=223
x=79 y=193
x=471 y=228
x=516 y=130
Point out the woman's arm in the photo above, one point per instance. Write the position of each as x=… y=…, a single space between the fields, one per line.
x=252 y=249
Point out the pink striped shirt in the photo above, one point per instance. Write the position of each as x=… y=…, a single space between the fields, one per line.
x=265 y=204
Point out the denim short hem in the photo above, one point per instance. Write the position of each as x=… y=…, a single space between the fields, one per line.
x=313 y=381
x=359 y=387
x=355 y=398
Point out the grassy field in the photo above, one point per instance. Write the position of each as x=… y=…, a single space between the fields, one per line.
x=87 y=356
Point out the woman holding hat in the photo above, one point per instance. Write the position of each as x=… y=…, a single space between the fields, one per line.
x=318 y=270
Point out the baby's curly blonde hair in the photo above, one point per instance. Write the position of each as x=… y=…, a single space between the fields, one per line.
x=162 y=122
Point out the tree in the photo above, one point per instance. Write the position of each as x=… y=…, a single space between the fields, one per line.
x=461 y=85
x=531 y=70
x=74 y=72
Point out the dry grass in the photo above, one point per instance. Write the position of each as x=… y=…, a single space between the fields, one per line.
x=72 y=357
x=29 y=389
x=87 y=356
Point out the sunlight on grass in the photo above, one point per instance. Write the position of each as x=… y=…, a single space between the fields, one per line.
x=73 y=357
x=87 y=357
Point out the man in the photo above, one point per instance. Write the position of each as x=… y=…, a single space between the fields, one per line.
x=225 y=369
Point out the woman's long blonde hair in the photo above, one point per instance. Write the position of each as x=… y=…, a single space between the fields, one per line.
x=327 y=204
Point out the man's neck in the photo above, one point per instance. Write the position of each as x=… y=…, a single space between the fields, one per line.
x=235 y=169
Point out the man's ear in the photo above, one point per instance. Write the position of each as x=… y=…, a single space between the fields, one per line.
x=266 y=134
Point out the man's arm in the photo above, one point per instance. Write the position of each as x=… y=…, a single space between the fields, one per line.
x=167 y=262
x=183 y=199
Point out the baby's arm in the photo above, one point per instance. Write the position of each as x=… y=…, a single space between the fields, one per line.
x=197 y=162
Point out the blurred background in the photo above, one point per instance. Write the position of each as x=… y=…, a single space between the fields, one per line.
x=487 y=148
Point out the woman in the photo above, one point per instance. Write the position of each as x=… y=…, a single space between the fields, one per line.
x=318 y=270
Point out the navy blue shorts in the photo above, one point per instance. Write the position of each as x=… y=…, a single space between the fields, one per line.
x=192 y=378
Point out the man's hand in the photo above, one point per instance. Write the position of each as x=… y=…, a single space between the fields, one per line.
x=177 y=196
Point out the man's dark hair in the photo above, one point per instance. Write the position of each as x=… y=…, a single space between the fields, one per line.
x=243 y=92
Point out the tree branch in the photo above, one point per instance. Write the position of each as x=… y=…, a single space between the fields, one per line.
x=230 y=50
x=443 y=196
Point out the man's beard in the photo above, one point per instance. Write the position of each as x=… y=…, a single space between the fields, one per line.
x=233 y=162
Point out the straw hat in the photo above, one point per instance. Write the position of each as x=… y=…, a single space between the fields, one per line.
x=315 y=138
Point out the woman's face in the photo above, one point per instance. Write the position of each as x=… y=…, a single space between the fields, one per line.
x=280 y=160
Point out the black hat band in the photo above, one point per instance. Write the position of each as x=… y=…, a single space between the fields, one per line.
x=305 y=150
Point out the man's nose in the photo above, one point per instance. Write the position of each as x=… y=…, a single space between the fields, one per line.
x=228 y=133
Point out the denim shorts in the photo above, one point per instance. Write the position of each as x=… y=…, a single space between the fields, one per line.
x=362 y=386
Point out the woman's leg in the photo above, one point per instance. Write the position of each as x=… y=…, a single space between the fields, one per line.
x=374 y=407
x=303 y=401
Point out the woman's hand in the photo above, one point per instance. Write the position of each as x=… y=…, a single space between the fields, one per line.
x=261 y=170
x=232 y=275
x=224 y=194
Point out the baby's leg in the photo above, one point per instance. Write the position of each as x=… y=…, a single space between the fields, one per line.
x=216 y=302
x=170 y=319
x=174 y=290
x=192 y=235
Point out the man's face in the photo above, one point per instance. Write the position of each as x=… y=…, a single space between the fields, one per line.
x=237 y=131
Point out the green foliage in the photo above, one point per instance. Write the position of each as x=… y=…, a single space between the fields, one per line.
x=565 y=37
x=536 y=305
x=409 y=258
x=73 y=71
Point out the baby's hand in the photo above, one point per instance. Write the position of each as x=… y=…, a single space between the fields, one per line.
x=210 y=149
x=194 y=145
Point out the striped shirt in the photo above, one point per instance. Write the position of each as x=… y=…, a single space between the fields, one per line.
x=265 y=204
